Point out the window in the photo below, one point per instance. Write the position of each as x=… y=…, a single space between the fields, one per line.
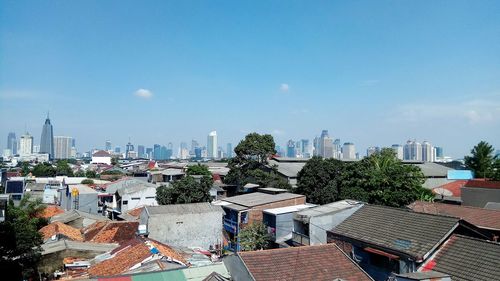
x=244 y=217
x=125 y=202
x=150 y=197
x=136 y=198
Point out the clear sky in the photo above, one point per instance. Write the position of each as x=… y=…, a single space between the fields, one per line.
x=371 y=72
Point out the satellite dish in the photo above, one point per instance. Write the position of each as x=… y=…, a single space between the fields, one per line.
x=443 y=192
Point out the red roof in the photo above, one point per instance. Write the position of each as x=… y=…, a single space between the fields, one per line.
x=483 y=218
x=61 y=229
x=321 y=262
x=151 y=165
x=483 y=184
x=101 y=153
x=110 y=231
x=455 y=188
x=51 y=211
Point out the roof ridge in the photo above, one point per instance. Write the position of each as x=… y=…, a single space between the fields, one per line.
x=456 y=206
x=285 y=249
x=406 y=209
x=476 y=239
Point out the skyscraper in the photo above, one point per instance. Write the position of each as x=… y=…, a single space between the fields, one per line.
x=229 y=152
x=290 y=149
x=107 y=145
x=141 y=151
x=26 y=144
x=212 y=145
x=304 y=148
x=62 y=147
x=413 y=151
x=47 y=139
x=157 y=152
x=325 y=145
x=129 y=147
x=149 y=152
x=398 y=149
x=372 y=150
x=348 y=151
x=12 y=143
x=427 y=152
x=439 y=152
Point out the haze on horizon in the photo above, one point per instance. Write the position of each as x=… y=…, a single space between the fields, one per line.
x=370 y=72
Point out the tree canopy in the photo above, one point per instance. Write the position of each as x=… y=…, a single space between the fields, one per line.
x=200 y=170
x=63 y=169
x=250 y=163
x=186 y=190
x=482 y=161
x=378 y=179
x=20 y=243
x=44 y=170
x=254 y=237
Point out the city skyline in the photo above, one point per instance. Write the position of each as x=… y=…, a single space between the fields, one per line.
x=372 y=73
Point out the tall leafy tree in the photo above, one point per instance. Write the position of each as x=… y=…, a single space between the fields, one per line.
x=44 y=170
x=20 y=240
x=200 y=170
x=481 y=160
x=63 y=169
x=256 y=147
x=186 y=190
x=254 y=237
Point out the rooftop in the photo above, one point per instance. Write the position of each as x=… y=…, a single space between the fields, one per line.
x=59 y=228
x=101 y=153
x=110 y=231
x=259 y=198
x=50 y=211
x=480 y=217
x=191 y=208
x=327 y=209
x=401 y=231
x=483 y=184
x=288 y=209
x=127 y=185
x=72 y=215
x=452 y=189
x=286 y=167
x=322 y=262
x=466 y=258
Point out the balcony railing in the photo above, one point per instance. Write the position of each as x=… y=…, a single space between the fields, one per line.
x=300 y=238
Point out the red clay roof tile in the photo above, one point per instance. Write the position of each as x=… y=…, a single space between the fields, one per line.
x=61 y=229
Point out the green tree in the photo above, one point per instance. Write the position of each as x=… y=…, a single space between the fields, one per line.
x=200 y=170
x=256 y=147
x=254 y=237
x=496 y=169
x=63 y=169
x=25 y=168
x=20 y=243
x=91 y=174
x=481 y=161
x=87 y=181
x=44 y=170
x=79 y=173
x=186 y=190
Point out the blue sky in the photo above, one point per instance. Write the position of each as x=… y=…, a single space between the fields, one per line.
x=371 y=72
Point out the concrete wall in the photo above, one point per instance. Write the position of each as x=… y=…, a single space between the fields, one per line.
x=478 y=197
x=320 y=224
x=87 y=202
x=185 y=230
x=255 y=214
x=143 y=199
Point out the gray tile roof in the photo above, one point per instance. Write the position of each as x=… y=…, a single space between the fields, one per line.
x=259 y=198
x=401 y=231
x=191 y=208
x=466 y=258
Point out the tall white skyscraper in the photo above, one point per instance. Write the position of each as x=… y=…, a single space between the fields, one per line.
x=413 y=151
x=62 y=147
x=348 y=151
x=398 y=149
x=26 y=144
x=427 y=152
x=212 y=145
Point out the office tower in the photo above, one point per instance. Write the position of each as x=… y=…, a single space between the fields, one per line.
x=36 y=148
x=220 y=152
x=229 y=150
x=129 y=147
x=304 y=148
x=107 y=145
x=73 y=142
x=141 y=151
x=62 y=147
x=156 y=152
x=169 y=151
x=372 y=150
x=163 y=153
x=316 y=146
x=325 y=145
x=412 y=151
x=26 y=144
x=212 y=145
x=348 y=151
x=439 y=152
x=194 y=144
x=427 y=152
x=149 y=153
x=290 y=149
x=197 y=152
x=12 y=143
x=117 y=149
x=398 y=150
x=47 y=139
x=337 y=149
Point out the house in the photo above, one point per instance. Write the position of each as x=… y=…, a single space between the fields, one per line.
x=130 y=193
x=79 y=197
x=101 y=157
x=466 y=258
x=247 y=208
x=287 y=168
x=166 y=175
x=489 y=220
x=310 y=225
x=57 y=230
x=110 y=231
x=15 y=187
x=136 y=253
x=184 y=225
x=321 y=262
x=478 y=193
x=386 y=240
x=279 y=221
x=77 y=218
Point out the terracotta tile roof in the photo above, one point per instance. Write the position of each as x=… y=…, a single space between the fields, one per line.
x=131 y=253
x=101 y=153
x=323 y=262
x=110 y=231
x=59 y=228
x=466 y=258
x=51 y=211
x=135 y=212
x=479 y=217
x=455 y=188
x=483 y=184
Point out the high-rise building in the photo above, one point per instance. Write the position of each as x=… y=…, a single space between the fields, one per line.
x=129 y=147
x=427 y=152
x=304 y=148
x=372 y=150
x=337 y=149
x=62 y=147
x=348 y=151
x=316 y=141
x=197 y=152
x=26 y=144
x=12 y=143
x=398 y=149
x=157 y=152
x=117 y=149
x=107 y=145
x=164 y=153
x=47 y=139
x=141 y=151
x=229 y=150
x=290 y=149
x=212 y=145
x=439 y=152
x=73 y=142
x=194 y=144
x=149 y=153
x=36 y=148
x=325 y=145
x=412 y=151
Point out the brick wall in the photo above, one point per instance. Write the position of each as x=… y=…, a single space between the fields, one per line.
x=255 y=214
